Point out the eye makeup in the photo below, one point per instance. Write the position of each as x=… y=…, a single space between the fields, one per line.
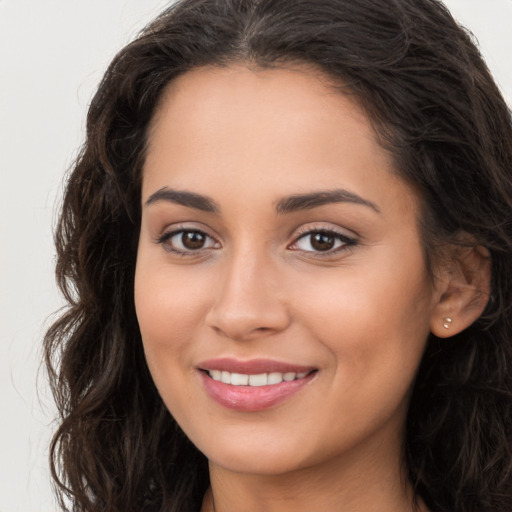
x=321 y=241
x=185 y=241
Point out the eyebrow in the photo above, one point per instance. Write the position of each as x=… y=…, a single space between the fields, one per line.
x=316 y=199
x=184 y=198
x=285 y=205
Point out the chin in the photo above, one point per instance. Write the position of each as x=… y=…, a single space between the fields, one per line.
x=259 y=455
x=257 y=463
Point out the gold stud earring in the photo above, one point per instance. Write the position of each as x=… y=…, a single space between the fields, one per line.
x=447 y=322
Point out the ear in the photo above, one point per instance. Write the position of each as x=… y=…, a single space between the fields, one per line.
x=462 y=289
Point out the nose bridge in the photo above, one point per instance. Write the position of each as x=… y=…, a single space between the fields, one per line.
x=249 y=301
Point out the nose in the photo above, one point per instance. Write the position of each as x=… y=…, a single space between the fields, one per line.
x=250 y=302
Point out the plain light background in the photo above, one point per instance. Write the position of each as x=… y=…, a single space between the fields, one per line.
x=52 y=55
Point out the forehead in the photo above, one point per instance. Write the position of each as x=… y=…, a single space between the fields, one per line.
x=280 y=131
x=295 y=85
x=283 y=98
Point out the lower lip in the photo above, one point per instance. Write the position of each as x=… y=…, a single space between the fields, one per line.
x=252 y=398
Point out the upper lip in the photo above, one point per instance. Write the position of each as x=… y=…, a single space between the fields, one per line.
x=252 y=366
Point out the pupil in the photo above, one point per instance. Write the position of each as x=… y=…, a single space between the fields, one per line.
x=322 y=242
x=192 y=240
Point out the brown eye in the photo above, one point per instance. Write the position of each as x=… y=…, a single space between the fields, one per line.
x=187 y=241
x=193 y=239
x=329 y=242
x=322 y=241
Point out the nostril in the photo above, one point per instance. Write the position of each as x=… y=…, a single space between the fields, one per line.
x=242 y=316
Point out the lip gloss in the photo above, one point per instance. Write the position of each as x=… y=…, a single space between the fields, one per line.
x=252 y=398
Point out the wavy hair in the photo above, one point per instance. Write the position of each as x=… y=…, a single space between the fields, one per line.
x=434 y=105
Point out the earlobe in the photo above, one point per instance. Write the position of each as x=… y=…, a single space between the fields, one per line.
x=463 y=288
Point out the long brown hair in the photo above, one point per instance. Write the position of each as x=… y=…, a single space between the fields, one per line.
x=434 y=105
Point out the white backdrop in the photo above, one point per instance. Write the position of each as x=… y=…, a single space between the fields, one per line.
x=52 y=55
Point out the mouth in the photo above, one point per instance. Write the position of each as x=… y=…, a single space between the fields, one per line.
x=254 y=380
x=255 y=385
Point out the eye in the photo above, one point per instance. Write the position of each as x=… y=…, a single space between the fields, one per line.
x=322 y=241
x=186 y=241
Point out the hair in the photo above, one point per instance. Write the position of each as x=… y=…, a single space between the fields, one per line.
x=425 y=88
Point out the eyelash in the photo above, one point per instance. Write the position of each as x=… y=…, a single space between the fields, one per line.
x=346 y=241
x=165 y=239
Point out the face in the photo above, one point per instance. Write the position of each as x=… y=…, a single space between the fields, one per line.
x=280 y=288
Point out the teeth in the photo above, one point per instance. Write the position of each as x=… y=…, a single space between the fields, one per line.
x=258 y=380
x=216 y=374
x=239 y=379
x=261 y=379
x=275 y=378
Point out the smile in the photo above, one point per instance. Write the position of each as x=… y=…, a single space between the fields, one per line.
x=251 y=386
x=255 y=380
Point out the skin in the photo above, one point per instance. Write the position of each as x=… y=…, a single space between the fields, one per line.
x=360 y=314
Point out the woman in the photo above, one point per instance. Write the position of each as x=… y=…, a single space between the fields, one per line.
x=286 y=246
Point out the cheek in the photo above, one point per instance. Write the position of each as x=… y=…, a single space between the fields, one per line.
x=169 y=306
x=376 y=341
x=167 y=313
x=375 y=323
